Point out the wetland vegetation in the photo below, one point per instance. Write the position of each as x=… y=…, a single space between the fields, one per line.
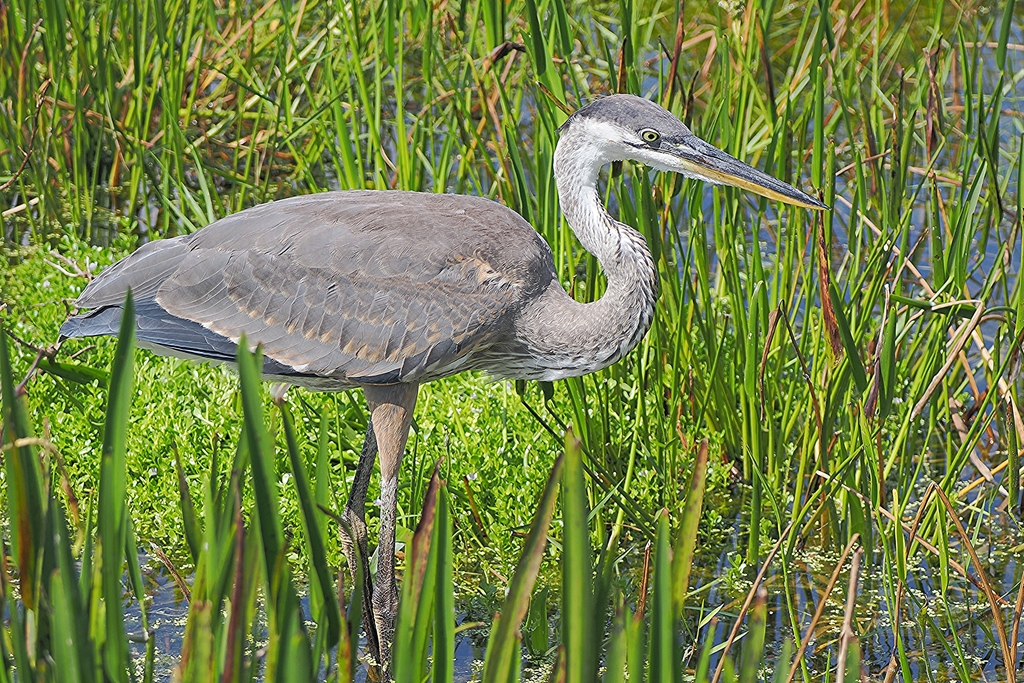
x=854 y=377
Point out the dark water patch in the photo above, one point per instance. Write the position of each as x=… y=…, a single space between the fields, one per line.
x=167 y=614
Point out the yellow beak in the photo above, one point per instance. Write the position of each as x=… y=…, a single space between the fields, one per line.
x=698 y=159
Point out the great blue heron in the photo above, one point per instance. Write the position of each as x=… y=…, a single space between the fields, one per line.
x=387 y=290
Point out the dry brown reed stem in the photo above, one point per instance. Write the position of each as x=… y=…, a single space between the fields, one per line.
x=956 y=566
x=1001 y=385
x=1015 y=629
x=990 y=595
x=746 y=603
x=962 y=493
x=981 y=582
x=890 y=670
x=24 y=441
x=781 y=313
x=172 y=570
x=473 y=508
x=677 y=49
x=960 y=340
x=821 y=607
x=643 y=582
x=848 y=635
x=27 y=151
x=975 y=334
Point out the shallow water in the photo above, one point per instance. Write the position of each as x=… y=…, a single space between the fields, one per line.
x=167 y=613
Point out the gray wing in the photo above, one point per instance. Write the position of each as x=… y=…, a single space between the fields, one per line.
x=368 y=287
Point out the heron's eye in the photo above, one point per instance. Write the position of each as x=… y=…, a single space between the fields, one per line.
x=649 y=135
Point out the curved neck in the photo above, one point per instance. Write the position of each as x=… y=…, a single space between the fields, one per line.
x=604 y=331
x=621 y=250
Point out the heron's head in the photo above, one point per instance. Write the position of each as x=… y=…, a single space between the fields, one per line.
x=627 y=127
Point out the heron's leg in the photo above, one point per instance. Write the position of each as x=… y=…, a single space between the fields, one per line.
x=355 y=517
x=391 y=409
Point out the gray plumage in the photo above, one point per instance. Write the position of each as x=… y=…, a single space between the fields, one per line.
x=340 y=288
x=352 y=288
x=387 y=290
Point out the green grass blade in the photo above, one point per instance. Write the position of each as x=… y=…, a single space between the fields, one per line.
x=234 y=636
x=354 y=618
x=535 y=630
x=704 y=662
x=197 y=649
x=295 y=663
x=887 y=361
x=662 y=667
x=24 y=481
x=74 y=372
x=193 y=532
x=288 y=649
x=311 y=532
x=615 y=658
x=131 y=557
x=579 y=613
x=636 y=647
x=860 y=376
x=322 y=474
x=494 y=22
x=562 y=24
x=66 y=646
x=1005 y=24
x=260 y=458
x=344 y=661
x=86 y=576
x=501 y=664
x=443 y=647
x=425 y=616
x=538 y=50
x=783 y=659
x=415 y=608
x=753 y=648
x=72 y=652
x=112 y=514
x=686 y=537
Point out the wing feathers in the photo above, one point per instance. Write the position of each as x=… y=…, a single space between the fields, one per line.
x=372 y=287
x=142 y=272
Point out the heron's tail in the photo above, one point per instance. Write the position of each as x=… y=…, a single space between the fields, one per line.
x=165 y=334
x=102 y=322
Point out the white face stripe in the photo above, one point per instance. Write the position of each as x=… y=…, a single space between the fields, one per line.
x=612 y=142
x=606 y=130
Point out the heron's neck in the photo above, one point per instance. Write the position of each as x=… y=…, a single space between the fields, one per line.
x=610 y=327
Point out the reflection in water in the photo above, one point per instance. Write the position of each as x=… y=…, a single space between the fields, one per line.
x=167 y=613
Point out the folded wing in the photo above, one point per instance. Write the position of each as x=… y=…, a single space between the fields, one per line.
x=361 y=287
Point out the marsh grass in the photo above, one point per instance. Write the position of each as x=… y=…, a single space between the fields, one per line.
x=856 y=375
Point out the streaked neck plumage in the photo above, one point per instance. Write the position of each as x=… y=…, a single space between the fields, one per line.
x=581 y=338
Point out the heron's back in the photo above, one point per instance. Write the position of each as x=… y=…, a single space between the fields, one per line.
x=340 y=288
